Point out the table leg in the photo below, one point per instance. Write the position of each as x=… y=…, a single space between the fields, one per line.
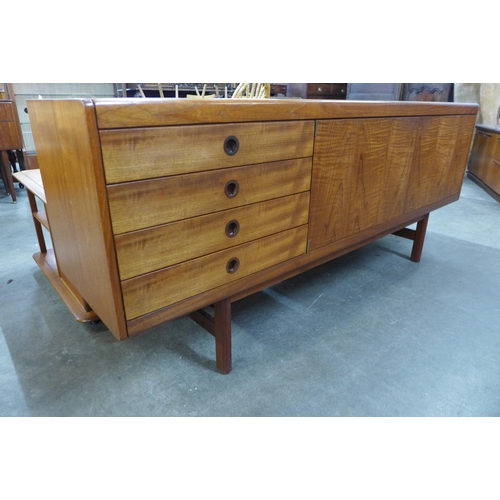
x=418 y=242
x=418 y=237
x=218 y=325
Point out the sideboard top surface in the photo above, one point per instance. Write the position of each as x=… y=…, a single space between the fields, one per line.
x=140 y=112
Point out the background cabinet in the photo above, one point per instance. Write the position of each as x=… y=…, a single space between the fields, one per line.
x=484 y=161
x=436 y=92
x=317 y=90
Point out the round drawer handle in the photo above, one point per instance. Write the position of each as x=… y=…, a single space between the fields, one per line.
x=231 y=188
x=232 y=228
x=232 y=265
x=231 y=145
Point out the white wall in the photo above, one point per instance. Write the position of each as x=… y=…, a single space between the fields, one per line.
x=26 y=91
x=487 y=95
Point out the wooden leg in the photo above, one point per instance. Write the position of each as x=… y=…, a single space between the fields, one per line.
x=222 y=319
x=418 y=242
x=220 y=327
x=7 y=174
x=418 y=237
x=38 y=226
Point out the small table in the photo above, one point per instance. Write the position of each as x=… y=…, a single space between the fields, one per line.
x=46 y=258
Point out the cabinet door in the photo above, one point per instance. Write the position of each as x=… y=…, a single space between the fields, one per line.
x=369 y=171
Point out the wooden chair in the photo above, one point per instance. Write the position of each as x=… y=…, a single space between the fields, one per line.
x=252 y=91
x=203 y=94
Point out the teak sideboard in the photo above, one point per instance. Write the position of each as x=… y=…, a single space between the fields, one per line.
x=160 y=208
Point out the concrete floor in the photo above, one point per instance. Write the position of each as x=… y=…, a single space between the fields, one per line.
x=369 y=334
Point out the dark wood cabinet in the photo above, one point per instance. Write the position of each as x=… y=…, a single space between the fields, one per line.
x=326 y=90
x=484 y=160
x=317 y=90
x=11 y=145
x=435 y=92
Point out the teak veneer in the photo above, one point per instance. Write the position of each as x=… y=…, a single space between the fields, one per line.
x=160 y=208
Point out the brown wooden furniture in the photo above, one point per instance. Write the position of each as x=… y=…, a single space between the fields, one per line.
x=435 y=92
x=11 y=142
x=484 y=161
x=317 y=90
x=161 y=208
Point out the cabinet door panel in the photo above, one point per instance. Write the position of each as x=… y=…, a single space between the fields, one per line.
x=369 y=171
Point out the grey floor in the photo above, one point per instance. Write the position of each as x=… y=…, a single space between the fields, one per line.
x=369 y=334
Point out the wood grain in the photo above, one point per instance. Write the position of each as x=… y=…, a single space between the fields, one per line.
x=151 y=249
x=141 y=204
x=134 y=154
x=125 y=113
x=10 y=132
x=369 y=171
x=159 y=289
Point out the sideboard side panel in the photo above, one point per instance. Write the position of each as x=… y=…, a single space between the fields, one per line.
x=68 y=151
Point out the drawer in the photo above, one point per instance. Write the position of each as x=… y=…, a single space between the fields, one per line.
x=153 y=291
x=496 y=148
x=319 y=89
x=278 y=89
x=137 y=205
x=147 y=250
x=339 y=90
x=491 y=174
x=145 y=153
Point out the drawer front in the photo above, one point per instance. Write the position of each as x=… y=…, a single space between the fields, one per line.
x=145 y=153
x=339 y=90
x=153 y=291
x=319 y=89
x=496 y=148
x=137 y=205
x=147 y=250
x=491 y=174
